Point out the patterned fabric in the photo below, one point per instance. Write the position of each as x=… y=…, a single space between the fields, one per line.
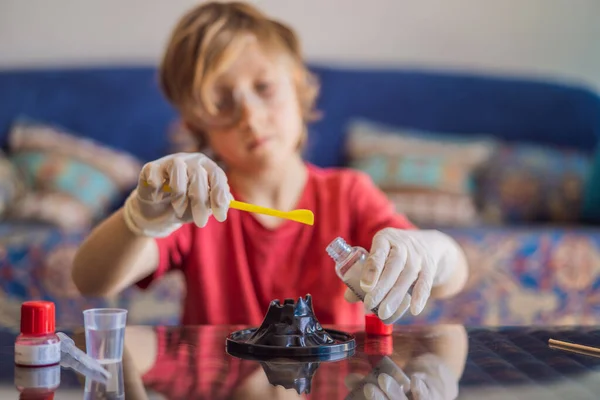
x=50 y=172
x=426 y=174
x=71 y=182
x=525 y=276
x=58 y=209
x=529 y=183
x=26 y=135
x=36 y=263
x=434 y=209
x=517 y=277
x=11 y=186
x=398 y=158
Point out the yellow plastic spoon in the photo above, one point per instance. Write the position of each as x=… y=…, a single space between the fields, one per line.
x=303 y=216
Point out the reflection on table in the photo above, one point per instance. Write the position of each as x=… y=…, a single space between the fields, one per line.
x=190 y=362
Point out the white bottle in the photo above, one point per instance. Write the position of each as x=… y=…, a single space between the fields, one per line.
x=349 y=263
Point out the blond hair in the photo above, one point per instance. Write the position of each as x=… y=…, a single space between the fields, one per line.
x=202 y=44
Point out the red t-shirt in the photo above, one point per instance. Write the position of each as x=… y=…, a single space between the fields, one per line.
x=233 y=270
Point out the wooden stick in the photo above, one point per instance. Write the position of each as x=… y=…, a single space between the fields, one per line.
x=575 y=348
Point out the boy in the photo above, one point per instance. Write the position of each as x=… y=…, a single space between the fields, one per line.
x=238 y=80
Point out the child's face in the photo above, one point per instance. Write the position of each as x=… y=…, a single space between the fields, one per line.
x=259 y=123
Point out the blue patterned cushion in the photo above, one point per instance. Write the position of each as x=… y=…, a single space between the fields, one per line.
x=35 y=264
x=11 y=186
x=71 y=181
x=400 y=158
x=57 y=173
x=524 y=277
x=531 y=183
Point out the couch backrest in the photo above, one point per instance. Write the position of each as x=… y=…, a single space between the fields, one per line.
x=123 y=107
x=511 y=109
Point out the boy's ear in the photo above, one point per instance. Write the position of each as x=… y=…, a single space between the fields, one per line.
x=190 y=128
x=187 y=126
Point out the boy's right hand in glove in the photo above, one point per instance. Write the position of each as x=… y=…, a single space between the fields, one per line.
x=198 y=186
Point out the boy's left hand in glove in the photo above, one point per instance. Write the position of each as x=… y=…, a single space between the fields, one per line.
x=400 y=259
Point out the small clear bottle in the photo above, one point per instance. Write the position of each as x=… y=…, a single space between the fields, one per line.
x=37 y=345
x=348 y=265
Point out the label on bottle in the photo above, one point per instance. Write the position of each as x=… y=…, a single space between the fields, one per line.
x=42 y=354
x=33 y=378
x=352 y=280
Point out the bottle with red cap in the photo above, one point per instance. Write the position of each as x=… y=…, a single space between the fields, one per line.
x=349 y=262
x=37 y=345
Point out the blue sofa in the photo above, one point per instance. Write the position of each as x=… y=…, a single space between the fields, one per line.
x=520 y=274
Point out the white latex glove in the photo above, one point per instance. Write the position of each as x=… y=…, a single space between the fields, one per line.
x=199 y=189
x=400 y=259
x=430 y=379
x=385 y=381
x=386 y=389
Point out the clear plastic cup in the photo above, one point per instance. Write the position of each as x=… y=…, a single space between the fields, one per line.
x=105 y=333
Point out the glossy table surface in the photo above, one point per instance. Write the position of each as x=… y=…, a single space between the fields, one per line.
x=445 y=362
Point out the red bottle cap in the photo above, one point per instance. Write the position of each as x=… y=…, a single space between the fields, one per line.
x=379 y=346
x=375 y=326
x=37 y=318
x=36 y=396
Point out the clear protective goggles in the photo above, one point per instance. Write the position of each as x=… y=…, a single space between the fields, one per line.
x=233 y=107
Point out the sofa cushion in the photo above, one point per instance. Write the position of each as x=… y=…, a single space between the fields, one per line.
x=428 y=176
x=36 y=262
x=526 y=183
x=71 y=181
x=524 y=276
x=399 y=158
x=11 y=186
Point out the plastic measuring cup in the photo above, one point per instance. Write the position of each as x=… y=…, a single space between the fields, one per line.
x=105 y=333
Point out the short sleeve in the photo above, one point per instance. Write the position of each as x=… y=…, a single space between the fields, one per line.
x=172 y=253
x=372 y=211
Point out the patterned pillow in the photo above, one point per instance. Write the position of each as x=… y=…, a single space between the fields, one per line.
x=531 y=183
x=58 y=209
x=400 y=158
x=31 y=136
x=435 y=209
x=71 y=181
x=429 y=176
x=56 y=173
x=11 y=187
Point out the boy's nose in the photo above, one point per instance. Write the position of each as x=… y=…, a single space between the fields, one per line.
x=250 y=113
